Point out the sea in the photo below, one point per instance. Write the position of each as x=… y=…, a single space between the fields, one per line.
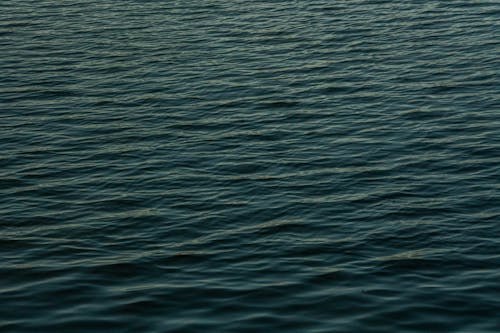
x=305 y=166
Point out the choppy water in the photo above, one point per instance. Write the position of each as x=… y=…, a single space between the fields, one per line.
x=249 y=166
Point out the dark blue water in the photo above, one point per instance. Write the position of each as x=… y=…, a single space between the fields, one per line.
x=249 y=166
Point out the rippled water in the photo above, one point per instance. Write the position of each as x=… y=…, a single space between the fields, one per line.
x=249 y=166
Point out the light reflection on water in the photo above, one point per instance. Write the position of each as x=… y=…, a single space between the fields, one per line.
x=266 y=166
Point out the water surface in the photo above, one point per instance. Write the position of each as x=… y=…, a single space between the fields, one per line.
x=249 y=166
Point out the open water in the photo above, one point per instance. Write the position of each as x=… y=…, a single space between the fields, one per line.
x=249 y=166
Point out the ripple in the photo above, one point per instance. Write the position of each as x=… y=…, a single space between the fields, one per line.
x=212 y=166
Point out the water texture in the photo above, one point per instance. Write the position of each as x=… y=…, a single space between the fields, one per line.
x=249 y=166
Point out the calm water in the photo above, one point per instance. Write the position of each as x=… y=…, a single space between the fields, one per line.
x=249 y=166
